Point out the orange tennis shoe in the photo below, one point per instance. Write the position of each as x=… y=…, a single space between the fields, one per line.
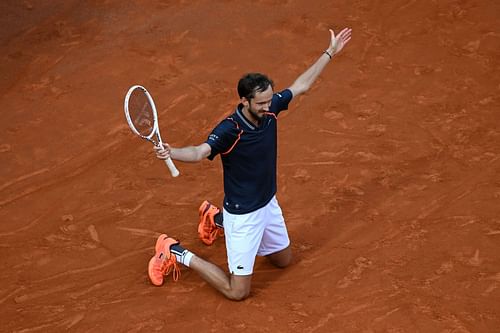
x=163 y=261
x=207 y=229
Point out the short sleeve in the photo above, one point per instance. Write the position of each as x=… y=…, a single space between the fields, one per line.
x=222 y=137
x=280 y=101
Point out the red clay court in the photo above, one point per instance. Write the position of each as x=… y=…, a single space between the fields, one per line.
x=389 y=168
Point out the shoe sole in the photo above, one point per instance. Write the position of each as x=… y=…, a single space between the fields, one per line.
x=150 y=269
x=204 y=207
x=203 y=211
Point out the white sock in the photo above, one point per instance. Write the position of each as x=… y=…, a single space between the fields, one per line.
x=185 y=257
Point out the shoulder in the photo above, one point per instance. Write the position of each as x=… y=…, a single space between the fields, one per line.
x=284 y=95
x=223 y=137
x=228 y=127
x=227 y=124
x=281 y=100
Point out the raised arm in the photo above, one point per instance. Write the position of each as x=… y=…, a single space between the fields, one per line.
x=306 y=79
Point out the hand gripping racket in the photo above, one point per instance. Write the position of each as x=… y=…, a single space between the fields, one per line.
x=140 y=111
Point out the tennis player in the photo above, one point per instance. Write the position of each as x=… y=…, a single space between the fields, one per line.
x=251 y=218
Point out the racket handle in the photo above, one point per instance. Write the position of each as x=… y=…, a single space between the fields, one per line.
x=171 y=167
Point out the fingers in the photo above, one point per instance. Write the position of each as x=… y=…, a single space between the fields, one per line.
x=345 y=34
x=158 y=149
x=332 y=33
x=162 y=147
x=345 y=31
x=162 y=152
x=338 y=42
x=163 y=155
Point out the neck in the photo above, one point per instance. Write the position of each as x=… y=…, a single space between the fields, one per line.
x=250 y=116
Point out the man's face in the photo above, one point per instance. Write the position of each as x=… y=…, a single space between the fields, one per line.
x=260 y=104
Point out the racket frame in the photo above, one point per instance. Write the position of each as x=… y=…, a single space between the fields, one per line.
x=155 y=131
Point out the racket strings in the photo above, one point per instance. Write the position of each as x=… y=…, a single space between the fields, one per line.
x=141 y=113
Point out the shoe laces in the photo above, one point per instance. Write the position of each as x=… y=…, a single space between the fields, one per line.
x=216 y=232
x=210 y=231
x=170 y=265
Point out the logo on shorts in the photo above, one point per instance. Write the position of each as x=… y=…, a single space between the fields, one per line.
x=239 y=267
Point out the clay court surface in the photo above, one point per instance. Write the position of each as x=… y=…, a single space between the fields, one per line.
x=389 y=168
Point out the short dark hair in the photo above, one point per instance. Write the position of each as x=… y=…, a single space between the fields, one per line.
x=252 y=83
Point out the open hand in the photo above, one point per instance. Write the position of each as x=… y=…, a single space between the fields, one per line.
x=338 y=42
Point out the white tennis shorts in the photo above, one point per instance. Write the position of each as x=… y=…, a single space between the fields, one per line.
x=261 y=233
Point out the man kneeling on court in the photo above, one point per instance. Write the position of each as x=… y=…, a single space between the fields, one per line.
x=251 y=218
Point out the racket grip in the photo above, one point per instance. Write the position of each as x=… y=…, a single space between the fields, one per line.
x=171 y=167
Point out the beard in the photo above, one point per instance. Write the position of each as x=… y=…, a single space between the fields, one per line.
x=255 y=114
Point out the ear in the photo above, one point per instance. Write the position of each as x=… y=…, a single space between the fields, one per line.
x=245 y=102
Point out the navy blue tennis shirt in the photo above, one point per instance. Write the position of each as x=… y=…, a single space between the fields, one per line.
x=248 y=155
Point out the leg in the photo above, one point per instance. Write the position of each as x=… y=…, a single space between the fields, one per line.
x=281 y=258
x=234 y=287
x=169 y=254
x=275 y=244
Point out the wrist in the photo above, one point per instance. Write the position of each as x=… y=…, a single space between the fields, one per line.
x=328 y=53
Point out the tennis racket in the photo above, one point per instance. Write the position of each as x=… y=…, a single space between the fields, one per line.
x=140 y=111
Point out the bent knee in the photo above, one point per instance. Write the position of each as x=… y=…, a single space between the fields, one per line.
x=281 y=259
x=284 y=262
x=239 y=287
x=238 y=295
